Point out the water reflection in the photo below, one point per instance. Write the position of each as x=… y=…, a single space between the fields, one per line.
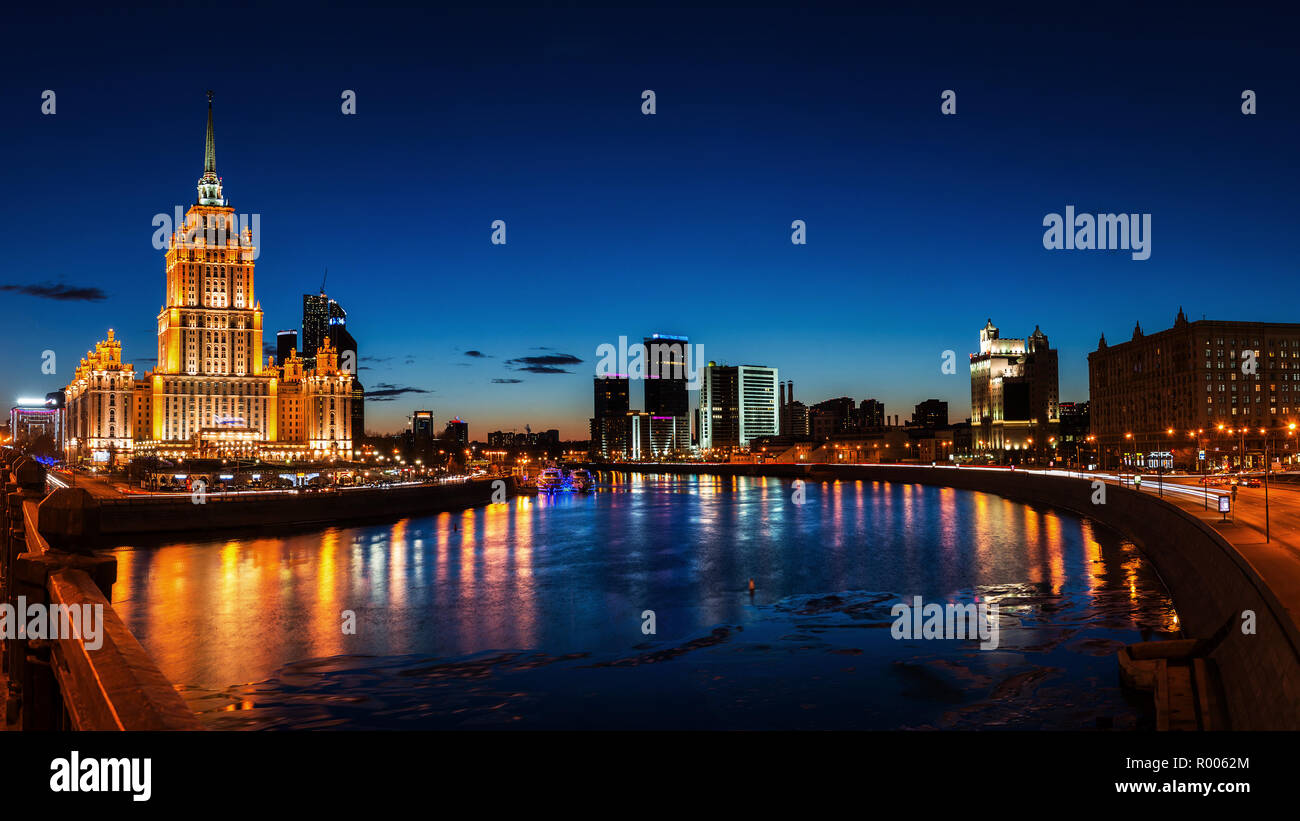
x=538 y=604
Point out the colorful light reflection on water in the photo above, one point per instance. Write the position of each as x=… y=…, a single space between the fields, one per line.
x=529 y=614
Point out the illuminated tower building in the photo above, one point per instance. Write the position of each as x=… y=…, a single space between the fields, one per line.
x=666 y=398
x=210 y=383
x=737 y=404
x=1013 y=395
x=315 y=324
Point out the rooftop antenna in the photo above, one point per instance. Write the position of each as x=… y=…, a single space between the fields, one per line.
x=322 y=281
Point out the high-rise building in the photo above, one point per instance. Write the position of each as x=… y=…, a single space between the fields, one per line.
x=610 y=431
x=1013 y=390
x=611 y=395
x=738 y=403
x=1222 y=387
x=285 y=343
x=666 y=397
x=315 y=324
x=871 y=414
x=422 y=425
x=210 y=382
x=456 y=433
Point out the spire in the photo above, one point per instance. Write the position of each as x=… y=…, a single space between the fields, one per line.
x=210 y=150
x=210 y=183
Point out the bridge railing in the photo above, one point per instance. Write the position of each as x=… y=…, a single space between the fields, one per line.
x=65 y=682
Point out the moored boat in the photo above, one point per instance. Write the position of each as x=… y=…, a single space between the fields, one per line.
x=550 y=479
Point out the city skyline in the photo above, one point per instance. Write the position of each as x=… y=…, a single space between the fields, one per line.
x=903 y=205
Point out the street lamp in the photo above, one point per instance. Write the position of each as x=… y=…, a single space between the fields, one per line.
x=1267 y=465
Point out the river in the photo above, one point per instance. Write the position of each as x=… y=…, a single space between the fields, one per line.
x=532 y=614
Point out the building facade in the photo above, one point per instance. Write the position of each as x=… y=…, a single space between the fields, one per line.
x=666 y=397
x=1014 y=397
x=611 y=434
x=1223 y=388
x=738 y=403
x=98 y=403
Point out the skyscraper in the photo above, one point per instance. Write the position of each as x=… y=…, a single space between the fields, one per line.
x=666 y=397
x=738 y=403
x=285 y=342
x=611 y=433
x=315 y=324
x=210 y=377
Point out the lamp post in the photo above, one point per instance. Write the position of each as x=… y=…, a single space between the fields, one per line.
x=1128 y=437
x=1205 y=486
x=1267 y=466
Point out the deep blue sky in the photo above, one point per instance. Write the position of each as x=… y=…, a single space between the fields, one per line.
x=920 y=226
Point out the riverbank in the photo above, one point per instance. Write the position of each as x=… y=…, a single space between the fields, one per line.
x=102 y=519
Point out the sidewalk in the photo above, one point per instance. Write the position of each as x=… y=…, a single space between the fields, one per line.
x=1277 y=561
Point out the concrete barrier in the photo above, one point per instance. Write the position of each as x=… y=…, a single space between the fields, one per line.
x=217 y=511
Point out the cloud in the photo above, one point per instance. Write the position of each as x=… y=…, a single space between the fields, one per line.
x=544 y=364
x=477 y=354
x=506 y=381
x=386 y=392
x=375 y=358
x=64 y=293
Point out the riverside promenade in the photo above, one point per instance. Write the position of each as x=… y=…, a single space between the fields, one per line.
x=1276 y=559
